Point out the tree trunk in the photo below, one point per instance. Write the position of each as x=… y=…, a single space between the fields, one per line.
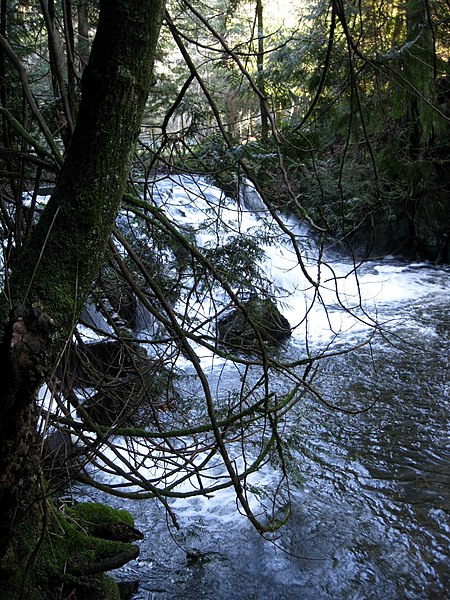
x=83 y=35
x=419 y=71
x=53 y=275
x=261 y=79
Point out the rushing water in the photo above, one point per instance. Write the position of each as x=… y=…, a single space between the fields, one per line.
x=371 y=491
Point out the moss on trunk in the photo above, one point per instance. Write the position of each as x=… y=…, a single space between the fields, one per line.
x=57 y=268
x=63 y=257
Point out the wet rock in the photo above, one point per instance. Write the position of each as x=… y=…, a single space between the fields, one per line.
x=61 y=459
x=135 y=400
x=260 y=318
x=127 y=589
x=88 y=364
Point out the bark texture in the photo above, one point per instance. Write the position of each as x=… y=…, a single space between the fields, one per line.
x=54 y=273
x=63 y=257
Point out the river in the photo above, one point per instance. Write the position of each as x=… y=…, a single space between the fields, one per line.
x=370 y=487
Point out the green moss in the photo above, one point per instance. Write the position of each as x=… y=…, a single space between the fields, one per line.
x=92 y=514
x=75 y=539
x=110 y=587
x=72 y=543
x=14 y=564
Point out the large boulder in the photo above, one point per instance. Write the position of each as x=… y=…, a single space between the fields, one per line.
x=259 y=318
x=62 y=460
x=135 y=400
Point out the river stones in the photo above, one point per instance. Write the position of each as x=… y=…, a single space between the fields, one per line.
x=257 y=319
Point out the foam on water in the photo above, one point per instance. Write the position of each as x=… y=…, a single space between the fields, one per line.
x=353 y=518
x=346 y=305
x=347 y=301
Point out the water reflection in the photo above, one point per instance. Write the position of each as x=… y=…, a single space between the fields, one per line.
x=371 y=508
x=391 y=465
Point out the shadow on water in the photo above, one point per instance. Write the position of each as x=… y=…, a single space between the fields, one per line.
x=371 y=513
x=386 y=472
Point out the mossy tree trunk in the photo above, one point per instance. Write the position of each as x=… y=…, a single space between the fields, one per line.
x=53 y=275
x=420 y=73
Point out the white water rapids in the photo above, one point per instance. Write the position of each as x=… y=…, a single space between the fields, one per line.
x=370 y=499
x=350 y=298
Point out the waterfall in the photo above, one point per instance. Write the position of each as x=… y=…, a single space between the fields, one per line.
x=369 y=491
x=346 y=299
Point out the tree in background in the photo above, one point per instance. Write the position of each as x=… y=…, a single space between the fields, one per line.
x=333 y=89
x=372 y=127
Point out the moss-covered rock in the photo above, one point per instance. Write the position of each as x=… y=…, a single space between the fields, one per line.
x=260 y=319
x=68 y=552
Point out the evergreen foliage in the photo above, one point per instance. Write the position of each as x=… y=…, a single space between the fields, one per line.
x=339 y=118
